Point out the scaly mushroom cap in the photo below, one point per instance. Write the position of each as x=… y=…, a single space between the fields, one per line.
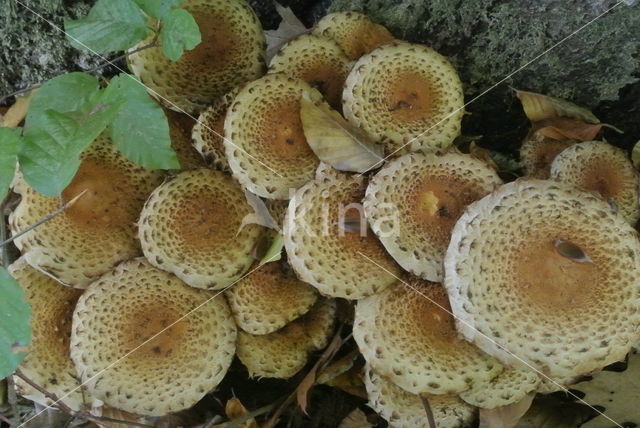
x=192 y=226
x=48 y=362
x=180 y=128
x=413 y=202
x=317 y=60
x=546 y=273
x=98 y=231
x=405 y=410
x=264 y=140
x=208 y=132
x=537 y=153
x=283 y=353
x=354 y=32
x=406 y=96
x=549 y=385
x=328 y=243
x=145 y=342
x=407 y=334
x=602 y=168
x=510 y=386
x=269 y=299
x=232 y=53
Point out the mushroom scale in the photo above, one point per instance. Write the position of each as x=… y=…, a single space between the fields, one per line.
x=193 y=227
x=269 y=299
x=545 y=273
x=145 y=342
x=602 y=168
x=48 y=362
x=354 y=32
x=537 y=152
x=283 y=353
x=317 y=60
x=405 y=410
x=264 y=140
x=180 y=128
x=510 y=386
x=413 y=202
x=407 y=96
x=232 y=52
x=328 y=243
x=407 y=334
x=95 y=233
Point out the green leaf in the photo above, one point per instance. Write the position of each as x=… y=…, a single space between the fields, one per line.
x=111 y=25
x=179 y=32
x=9 y=146
x=15 y=331
x=140 y=129
x=157 y=8
x=274 y=252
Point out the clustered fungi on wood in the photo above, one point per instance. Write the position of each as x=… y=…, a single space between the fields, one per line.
x=486 y=292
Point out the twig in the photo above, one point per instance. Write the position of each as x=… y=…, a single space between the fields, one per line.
x=427 y=409
x=45 y=219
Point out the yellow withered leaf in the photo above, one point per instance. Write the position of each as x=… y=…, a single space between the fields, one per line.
x=337 y=142
x=17 y=112
x=539 y=107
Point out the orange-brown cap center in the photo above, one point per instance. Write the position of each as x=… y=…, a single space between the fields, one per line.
x=411 y=97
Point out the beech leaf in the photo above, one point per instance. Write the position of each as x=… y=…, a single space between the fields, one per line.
x=337 y=142
x=539 y=107
x=290 y=27
x=505 y=416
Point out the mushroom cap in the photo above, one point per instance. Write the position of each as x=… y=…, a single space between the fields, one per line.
x=354 y=32
x=95 y=233
x=413 y=202
x=269 y=299
x=407 y=96
x=192 y=226
x=208 y=132
x=510 y=386
x=48 y=362
x=180 y=128
x=339 y=261
x=537 y=152
x=317 y=60
x=407 y=334
x=265 y=143
x=283 y=353
x=549 y=385
x=545 y=273
x=232 y=53
x=405 y=410
x=602 y=168
x=121 y=354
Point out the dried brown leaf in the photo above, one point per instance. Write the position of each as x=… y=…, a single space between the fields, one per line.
x=356 y=419
x=290 y=27
x=563 y=128
x=337 y=142
x=17 y=112
x=236 y=410
x=482 y=154
x=539 y=107
x=505 y=416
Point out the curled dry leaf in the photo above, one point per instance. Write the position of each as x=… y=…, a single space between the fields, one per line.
x=236 y=410
x=290 y=27
x=562 y=128
x=505 y=416
x=17 y=112
x=337 y=142
x=539 y=107
x=345 y=375
x=260 y=214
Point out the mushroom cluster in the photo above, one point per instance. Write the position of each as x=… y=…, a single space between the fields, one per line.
x=468 y=292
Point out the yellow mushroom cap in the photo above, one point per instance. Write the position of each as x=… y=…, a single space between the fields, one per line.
x=192 y=226
x=407 y=334
x=340 y=261
x=283 y=353
x=510 y=386
x=602 y=168
x=180 y=128
x=208 y=132
x=405 y=410
x=126 y=307
x=546 y=273
x=264 y=140
x=98 y=231
x=354 y=32
x=269 y=298
x=407 y=96
x=317 y=60
x=537 y=152
x=413 y=202
x=48 y=362
x=232 y=53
